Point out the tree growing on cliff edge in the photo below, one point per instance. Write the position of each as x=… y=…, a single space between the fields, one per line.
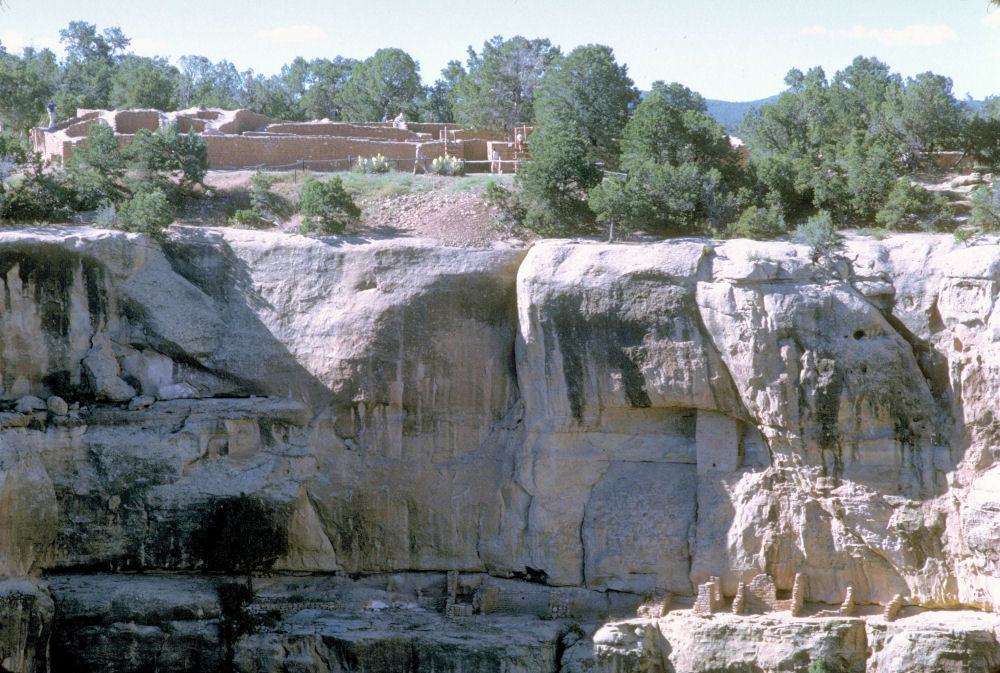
x=97 y=170
x=682 y=172
x=841 y=145
x=555 y=183
x=582 y=106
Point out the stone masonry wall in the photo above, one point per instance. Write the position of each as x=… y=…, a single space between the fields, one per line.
x=239 y=151
x=129 y=121
x=343 y=129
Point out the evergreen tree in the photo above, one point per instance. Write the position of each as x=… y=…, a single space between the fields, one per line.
x=591 y=93
x=385 y=84
x=497 y=92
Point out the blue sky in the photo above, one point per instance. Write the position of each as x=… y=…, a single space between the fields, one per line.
x=722 y=49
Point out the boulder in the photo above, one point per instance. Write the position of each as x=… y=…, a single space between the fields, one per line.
x=57 y=406
x=29 y=404
x=100 y=366
x=140 y=402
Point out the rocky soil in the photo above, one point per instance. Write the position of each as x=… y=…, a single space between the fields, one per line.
x=574 y=429
x=448 y=210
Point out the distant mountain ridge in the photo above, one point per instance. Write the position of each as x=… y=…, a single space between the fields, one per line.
x=730 y=113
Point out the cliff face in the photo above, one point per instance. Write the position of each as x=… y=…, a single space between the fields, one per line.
x=619 y=418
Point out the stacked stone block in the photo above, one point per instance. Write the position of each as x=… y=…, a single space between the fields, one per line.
x=892 y=608
x=847 y=607
x=798 y=595
x=486 y=600
x=739 y=601
x=655 y=608
x=761 y=595
x=709 y=597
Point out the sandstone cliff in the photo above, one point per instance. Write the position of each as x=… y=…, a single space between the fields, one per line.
x=625 y=420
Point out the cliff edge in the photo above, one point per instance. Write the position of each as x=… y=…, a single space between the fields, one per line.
x=605 y=422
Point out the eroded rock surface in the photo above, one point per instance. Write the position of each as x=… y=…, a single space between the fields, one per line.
x=625 y=419
x=26 y=614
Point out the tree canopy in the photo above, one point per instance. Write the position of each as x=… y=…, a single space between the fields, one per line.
x=844 y=145
x=681 y=170
x=385 y=84
x=497 y=91
x=589 y=91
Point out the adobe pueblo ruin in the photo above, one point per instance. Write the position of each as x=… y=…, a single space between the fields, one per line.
x=245 y=139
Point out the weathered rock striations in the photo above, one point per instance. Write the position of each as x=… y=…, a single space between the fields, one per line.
x=620 y=419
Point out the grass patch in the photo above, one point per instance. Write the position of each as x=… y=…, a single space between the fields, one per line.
x=477 y=182
x=367 y=186
x=375 y=187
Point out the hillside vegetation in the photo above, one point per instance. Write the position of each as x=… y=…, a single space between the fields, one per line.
x=854 y=149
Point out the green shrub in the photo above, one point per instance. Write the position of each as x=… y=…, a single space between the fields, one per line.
x=107 y=217
x=14 y=147
x=327 y=207
x=448 y=165
x=510 y=210
x=910 y=207
x=817 y=666
x=266 y=207
x=785 y=183
x=871 y=174
x=980 y=138
x=759 y=224
x=665 y=199
x=555 y=183
x=878 y=233
x=614 y=204
x=247 y=217
x=96 y=171
x=965 y=235
x=168 y=152
x=262 y=199
x=40 y=196
x=820 y=235
x=985 y=201
x=147 y=212
x=375 y=164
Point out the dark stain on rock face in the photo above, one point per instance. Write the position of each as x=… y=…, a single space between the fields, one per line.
x=611 y=329
x=49 y=270
x=97 y=302
x=828 y=390
x=60 y=382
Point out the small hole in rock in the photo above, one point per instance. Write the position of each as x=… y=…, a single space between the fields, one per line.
x=859 y=334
